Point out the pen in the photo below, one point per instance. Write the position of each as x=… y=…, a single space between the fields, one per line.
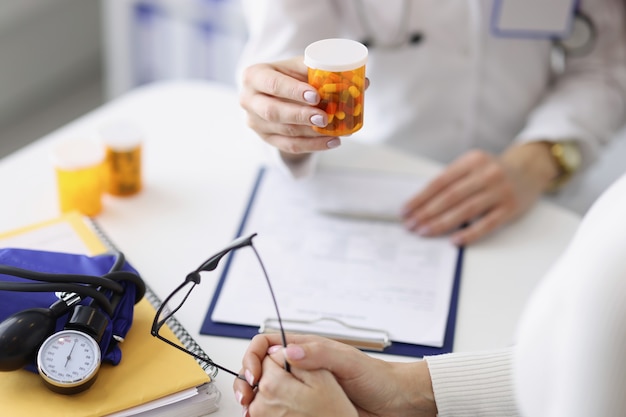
x=363 y=215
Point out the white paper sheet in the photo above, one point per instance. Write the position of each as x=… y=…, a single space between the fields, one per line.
x=366 y=273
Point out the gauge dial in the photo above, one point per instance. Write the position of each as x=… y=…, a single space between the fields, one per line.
x=68 y=361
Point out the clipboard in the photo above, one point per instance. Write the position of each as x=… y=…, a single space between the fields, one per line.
x=377 y=341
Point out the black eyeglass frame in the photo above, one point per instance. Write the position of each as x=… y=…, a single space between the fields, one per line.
x=194 y=278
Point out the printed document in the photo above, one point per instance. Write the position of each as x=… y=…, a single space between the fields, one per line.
x=334 y=249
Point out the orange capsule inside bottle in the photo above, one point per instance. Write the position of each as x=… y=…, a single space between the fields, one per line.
x=123 y=143
x=336 y=69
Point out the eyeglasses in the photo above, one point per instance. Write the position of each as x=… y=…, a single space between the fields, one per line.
x=179 y=296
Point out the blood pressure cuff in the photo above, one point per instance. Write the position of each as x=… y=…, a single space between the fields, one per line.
x=63 y=263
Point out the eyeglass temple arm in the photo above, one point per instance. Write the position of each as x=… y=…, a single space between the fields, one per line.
x=211 y=263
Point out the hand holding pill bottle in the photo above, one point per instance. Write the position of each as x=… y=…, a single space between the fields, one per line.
x=336 y=68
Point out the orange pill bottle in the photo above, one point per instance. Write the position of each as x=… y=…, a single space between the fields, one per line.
x=336 y=68
x=79 y=166
x=123 y=144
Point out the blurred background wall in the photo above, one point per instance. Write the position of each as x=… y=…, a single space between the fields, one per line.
x=60 y=59
x=49 y=50
x=149 y=40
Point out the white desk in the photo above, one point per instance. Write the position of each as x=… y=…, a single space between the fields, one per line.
x=199 y=164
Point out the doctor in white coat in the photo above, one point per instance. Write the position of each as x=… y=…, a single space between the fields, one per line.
x=479 y=85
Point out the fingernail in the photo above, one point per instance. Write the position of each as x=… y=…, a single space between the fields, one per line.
x=273 y=349
x=249 y=377
x=245 y=412
x=423 y=231
x=333 y=143
x=311 y=97
x=457 y=240
x=239 y=396
x=410 y=224
x=318 y=120
x=294 y=352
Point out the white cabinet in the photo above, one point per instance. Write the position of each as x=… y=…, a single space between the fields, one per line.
x=150 y=40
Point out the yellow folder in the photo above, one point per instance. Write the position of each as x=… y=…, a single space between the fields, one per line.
x=149 y=369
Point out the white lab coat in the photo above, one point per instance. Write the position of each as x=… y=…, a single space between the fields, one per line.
x=462 y=87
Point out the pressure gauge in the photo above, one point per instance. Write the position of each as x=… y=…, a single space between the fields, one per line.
x=68 y=361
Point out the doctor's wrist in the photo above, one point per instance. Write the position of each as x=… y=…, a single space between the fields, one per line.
x=294 y=158
x=534 y=161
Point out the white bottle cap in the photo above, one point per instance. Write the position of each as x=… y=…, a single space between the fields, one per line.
x=335 y=55
x=121 y=135
x=77 y=153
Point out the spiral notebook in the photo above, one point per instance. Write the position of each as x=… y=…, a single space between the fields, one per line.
x=165 y=383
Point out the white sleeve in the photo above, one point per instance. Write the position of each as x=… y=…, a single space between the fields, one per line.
x=587 y=102
x=473 y=384
x=570 y=356
x=281 y=29
x=300 y=169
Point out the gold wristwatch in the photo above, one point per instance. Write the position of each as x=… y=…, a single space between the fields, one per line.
x=568 y=159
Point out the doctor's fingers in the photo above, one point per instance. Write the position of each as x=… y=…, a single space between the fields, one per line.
x=283 y=79
x=484 y=212
x=457 y=170
x=302 y=145
x=476 y=176
x=277 y=110
x=482 y=226
x=294 y=139
x=475 y=196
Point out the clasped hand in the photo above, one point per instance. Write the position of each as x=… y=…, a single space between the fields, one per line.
x=329 y=378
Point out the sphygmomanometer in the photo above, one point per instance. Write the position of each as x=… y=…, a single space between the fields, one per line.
x=62 y=314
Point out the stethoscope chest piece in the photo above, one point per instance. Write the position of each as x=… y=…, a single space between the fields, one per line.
x=581 y=38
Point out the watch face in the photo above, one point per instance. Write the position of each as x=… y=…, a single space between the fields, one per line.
x=571 y=157
x=68 y=361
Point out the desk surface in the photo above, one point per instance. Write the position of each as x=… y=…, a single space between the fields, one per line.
x=200 y=161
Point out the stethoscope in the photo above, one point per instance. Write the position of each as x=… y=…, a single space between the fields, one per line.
x=68 y=360
x=403 y=37
x=579 y=41
x=581 y=38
